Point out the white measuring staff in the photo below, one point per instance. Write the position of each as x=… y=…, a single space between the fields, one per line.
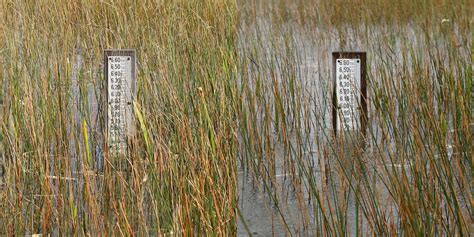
x=119 y=102
x=348 y=76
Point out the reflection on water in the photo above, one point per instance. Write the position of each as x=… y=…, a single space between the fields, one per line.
x=287 y=204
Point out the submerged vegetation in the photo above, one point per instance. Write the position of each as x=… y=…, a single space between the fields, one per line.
x=236 y=95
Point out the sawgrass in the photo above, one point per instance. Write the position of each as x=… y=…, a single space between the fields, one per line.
x=249 y=82
x=412 y=175
x=180 y=175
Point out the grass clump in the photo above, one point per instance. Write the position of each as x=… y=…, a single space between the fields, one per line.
x=233 y=91
x=180 y=175
x=415 y=173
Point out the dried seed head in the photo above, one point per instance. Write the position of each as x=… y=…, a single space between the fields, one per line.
x=200 y=92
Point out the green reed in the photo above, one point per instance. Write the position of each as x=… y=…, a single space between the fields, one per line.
x=180 y=175
x=414 y=174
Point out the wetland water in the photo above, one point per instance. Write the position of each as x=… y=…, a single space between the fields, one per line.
x=296 y=211
x=288 y=206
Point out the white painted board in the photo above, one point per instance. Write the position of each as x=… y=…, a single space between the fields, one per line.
x=119 y=102
x=348 y=93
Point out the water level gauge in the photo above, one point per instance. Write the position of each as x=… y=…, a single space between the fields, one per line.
x=120 y=72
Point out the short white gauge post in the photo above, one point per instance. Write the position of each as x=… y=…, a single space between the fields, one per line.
x=349 y=112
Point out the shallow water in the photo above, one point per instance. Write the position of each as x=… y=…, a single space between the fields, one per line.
x=295 y=213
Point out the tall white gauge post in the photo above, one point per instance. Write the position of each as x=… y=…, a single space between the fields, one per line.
x=119 y=71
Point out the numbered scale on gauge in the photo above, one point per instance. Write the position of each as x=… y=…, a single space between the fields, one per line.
x=348 y=76
x=119 y=101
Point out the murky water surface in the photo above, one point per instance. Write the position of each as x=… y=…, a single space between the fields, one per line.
x=294 y=189
x=297 y=212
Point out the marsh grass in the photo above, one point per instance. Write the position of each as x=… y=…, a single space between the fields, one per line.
x=225 y=84
x=180 y=175
x=414 y=176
